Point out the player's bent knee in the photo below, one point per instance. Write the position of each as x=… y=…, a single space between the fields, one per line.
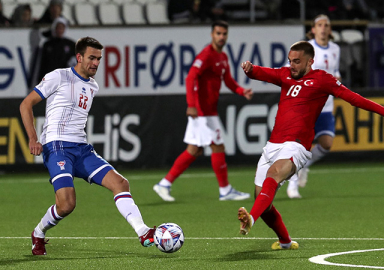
x=62 y=181
x=64 y=209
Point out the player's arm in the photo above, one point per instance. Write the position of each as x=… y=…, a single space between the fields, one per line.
x=271 y=75
x=235 y=87
x=190 y=83
x=26 y=111
x=361 y=102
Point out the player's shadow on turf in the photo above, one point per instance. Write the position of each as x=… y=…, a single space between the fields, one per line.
x=247 y=255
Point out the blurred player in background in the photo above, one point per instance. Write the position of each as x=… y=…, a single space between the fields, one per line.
x=304 y=92
x=327 y=57
x=69 y=94
x=203 y=84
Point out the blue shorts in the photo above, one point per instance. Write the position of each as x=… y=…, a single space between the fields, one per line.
x=65 y=160
x=325 y=125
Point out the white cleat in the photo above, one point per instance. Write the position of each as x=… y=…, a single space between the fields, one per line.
x=234 y=195
x=293 y=193
x=164 y=192
x=303 y=177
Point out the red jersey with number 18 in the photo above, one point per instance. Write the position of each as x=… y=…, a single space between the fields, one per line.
x=301 y=101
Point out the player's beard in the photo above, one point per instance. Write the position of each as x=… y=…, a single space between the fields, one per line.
x=300 y=74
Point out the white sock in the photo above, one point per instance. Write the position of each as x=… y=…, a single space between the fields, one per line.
x=165 y=183
x=129 y=210
x=49 y=220
x=318 y=153
x=224 y=190
x=293 y=182
x=286 y=245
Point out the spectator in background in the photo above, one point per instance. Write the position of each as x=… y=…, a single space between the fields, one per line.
x=53 y=11
x=209 y=10
x=356 y=9
x=58 y=51
x=181 y=11
x=4 y=21
x=22 y=16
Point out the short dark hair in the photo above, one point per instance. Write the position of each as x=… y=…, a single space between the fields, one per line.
x=83 y=43
x=304 y=46
x=220 y=23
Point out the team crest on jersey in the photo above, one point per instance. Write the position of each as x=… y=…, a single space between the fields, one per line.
x=84 y=90
x=61 y=164
x=197 y=63
x=308 y=82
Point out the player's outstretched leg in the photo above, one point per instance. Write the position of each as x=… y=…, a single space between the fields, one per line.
x=129 y=210
x=146 y=239
x=49 y=220
x=279 y=246
x=246 y=220
x=38 y=245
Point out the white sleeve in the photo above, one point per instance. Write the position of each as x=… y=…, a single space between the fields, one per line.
x=49 y=84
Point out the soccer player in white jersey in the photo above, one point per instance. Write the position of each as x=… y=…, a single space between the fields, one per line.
x=69 y=94
x=327 y=57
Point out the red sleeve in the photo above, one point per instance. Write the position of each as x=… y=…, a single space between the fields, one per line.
x=359 y=101
x=337 y=89
x=190 y=85
x=231 y=83
x=271 y=75
x=200 y=63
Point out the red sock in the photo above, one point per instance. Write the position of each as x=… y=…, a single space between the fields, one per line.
x=265 y=198
x=180 y=165
x=274 y=221
x=219 y=166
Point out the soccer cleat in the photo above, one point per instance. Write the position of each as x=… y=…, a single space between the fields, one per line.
x=234 y=195
x=245 y=220
x=38 y=245
x=277 y=246
x=163 y=192
x=146 y=239
x=303 y=177
x=293 y=193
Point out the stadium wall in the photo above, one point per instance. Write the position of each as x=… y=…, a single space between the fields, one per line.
x=138 y=119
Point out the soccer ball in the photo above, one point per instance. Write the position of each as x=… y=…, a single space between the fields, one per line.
x=169 y=237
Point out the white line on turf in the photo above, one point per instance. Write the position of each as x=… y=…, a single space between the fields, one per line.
x=203 y=238
x=198 y=175
x=320 y=259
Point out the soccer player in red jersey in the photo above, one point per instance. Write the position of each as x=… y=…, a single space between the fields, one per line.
x=203 y=83
x=304 y=92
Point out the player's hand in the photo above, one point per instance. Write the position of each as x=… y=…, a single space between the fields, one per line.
x=247 y=66
x=192 y=111
x=35 y=147
x=248 y=94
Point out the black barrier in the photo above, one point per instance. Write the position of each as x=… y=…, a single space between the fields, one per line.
x=148 y=131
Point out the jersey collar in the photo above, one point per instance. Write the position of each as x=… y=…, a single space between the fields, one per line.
x=321 y=47
x=78 y=75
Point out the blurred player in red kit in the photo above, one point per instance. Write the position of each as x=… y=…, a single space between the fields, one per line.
x=304 y=92
x=203 y=83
